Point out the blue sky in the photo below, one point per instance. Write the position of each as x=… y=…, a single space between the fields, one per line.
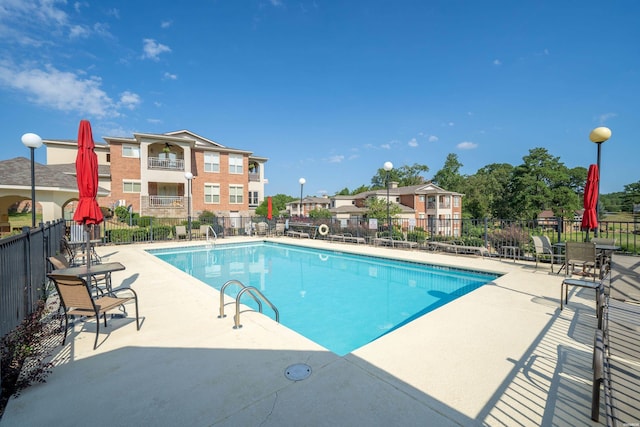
x=330 y=90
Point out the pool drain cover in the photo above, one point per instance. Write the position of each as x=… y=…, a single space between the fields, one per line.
x=298 y=372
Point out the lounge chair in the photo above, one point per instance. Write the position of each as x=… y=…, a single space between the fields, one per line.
x=76 y=300
x=181 y=232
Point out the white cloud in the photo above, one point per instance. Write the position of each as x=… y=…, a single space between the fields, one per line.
x=154 y=121
x=413 y=142
x=433 y=138
x=386 y=146
x=606 y=116
x=152 y=49
x=336 y=159
x=497 y=62
x=60 y=90
x=169 y=76
x=79 y=31
x=129 y=100
x=166 y=24
x=467 y=145
x=276 y=3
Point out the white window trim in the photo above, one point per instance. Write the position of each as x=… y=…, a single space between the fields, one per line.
x=135 y=149
x=132 y=182
x=211 y=185
x=235 y=194
x=215 y=163
x=236 y=164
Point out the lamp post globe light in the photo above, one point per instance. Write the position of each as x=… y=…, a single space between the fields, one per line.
x=32 y=141
x=302 y=181
x=598 y=136
x=387 y=167
x=189 y=177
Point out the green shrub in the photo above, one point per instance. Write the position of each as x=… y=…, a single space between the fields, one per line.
x=145 y=221
x=161 y=232
x=24 y=351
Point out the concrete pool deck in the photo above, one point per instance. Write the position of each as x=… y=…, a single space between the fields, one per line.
x=502 y=355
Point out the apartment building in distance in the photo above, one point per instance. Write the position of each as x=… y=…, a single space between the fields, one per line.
x=166 y=174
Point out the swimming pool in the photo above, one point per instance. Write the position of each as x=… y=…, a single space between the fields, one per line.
x=341 y=301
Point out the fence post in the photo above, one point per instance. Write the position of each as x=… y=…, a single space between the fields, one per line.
x=486 y=232
x=559 y=221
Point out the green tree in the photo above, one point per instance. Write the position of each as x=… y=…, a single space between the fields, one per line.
x=278 y=204
x=631 y=196
x=449 y=176
x=343 y=192
x=319 y=213
x=541 y=182
x=485 y=191
x=403 y=175
x=377 y=208
x=360 y=189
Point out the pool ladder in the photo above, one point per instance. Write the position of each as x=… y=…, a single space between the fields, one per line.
x=215 y=235
x=253 y=292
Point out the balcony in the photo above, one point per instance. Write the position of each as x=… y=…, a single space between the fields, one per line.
x=166 y=164
x=166 y=202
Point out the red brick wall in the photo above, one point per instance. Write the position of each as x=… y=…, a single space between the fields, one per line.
x=123 y=168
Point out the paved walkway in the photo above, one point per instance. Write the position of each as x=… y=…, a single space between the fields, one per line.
x=502 y=355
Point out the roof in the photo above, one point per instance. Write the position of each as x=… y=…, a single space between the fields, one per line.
x=17 y=173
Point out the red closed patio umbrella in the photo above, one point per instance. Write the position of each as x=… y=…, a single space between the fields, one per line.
x=269 y=208
x=88 y=212
x=590 y=217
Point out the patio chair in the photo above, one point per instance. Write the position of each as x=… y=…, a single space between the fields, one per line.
x=59 y=262
x=181 y=232
x=584 y=254
x=262 y=228
x=76 y=300
x=544 y=250
x=280 y=229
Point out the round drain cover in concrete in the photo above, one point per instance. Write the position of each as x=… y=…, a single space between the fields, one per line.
x=298 y=372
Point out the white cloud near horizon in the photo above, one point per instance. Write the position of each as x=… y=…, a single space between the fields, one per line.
x=336 y=159
x=413 y=142
x=169 y=76
x=153 y=50
x=433 y=138
x=467 y=145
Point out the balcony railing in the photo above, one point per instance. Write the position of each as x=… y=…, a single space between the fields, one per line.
x=254 y=177
x=158 y=163
x=166 y=202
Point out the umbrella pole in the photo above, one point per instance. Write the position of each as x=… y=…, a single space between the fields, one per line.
x=87 y=247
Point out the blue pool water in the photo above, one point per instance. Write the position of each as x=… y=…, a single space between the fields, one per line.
x=341 y=301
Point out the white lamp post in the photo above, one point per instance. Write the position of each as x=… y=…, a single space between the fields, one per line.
x=189 y=177
x=32 y=141
x=387 y=167
x=302 y=181
x=598 y=136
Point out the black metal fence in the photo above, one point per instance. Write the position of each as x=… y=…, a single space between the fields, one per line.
x=492 y=234
x=23 y=270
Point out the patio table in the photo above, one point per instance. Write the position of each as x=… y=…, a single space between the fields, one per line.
x=94 y=270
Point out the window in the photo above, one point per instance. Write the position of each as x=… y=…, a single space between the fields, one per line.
x=131 y=151
x=456 y=201
x=421 y=198
x=212 y=193
x=211 y=162
x=236 y=194
x=235 y=163
x=253 y=198
x=108 y=157
x=131 y=186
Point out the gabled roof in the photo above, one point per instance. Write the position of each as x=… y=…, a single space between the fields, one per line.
x=16 y=173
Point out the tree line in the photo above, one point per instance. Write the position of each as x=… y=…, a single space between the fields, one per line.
x=501 y=190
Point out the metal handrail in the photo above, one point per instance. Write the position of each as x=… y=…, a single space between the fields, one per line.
x=225 y=286
x=215 y=235
x=251 y=290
